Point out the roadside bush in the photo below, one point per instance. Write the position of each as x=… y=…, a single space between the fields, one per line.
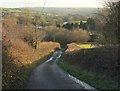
x=19 y=58
x=25 y=32
x=102 y=61
x=30 y=36
x=64 y=36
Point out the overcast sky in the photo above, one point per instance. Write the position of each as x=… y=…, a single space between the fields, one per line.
x=52 y=3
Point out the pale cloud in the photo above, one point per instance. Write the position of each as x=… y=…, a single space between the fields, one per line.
x=51 y=3
x=34 y=0
x=113 y=0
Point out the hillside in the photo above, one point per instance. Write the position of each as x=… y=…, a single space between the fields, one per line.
x=65 y=11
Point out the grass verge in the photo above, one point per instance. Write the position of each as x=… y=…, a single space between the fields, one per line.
x=88 y=77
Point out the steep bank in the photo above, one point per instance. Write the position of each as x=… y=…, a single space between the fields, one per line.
x=97 y=66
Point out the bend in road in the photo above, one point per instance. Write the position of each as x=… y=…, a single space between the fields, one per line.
x=49 y=76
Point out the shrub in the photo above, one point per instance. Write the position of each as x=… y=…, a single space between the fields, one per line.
x=103 y=61
x=30 y=36
x=64 y=36
x=18 y=60
x=19 y=57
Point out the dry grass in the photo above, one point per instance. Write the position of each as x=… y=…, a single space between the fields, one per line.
x=18 y=56
x=22 y=51
x=72 y=47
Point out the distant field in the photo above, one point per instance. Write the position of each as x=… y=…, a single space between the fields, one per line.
x=88 y=46
x=75 y=46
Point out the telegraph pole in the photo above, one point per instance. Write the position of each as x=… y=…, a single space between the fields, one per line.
x=35 y=24
x=35 y=36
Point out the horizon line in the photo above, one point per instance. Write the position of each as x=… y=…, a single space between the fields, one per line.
x=50 y=7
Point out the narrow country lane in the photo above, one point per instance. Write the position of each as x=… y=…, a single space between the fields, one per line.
x=49 y=76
